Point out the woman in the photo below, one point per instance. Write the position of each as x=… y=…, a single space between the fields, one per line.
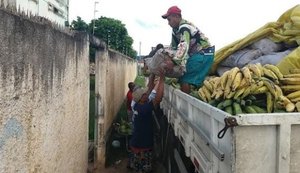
x=141 y=141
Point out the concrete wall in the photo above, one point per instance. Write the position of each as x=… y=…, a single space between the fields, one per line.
x=44 y=97
x=113 y=72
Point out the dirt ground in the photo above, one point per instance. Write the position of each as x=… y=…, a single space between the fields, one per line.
x=120 y=167
x=117 y=158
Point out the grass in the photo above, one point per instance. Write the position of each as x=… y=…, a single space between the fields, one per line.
x=92 y=108
x=115 y=154
x=112 y=154
x=140 y=80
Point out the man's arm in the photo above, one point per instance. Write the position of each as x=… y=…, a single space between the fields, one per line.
x=183 y=46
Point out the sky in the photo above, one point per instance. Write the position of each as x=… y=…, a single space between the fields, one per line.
x=222 y=21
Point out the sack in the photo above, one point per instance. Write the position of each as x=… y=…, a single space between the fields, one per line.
x=241 y=58
x=273 y=58
x=267 y=46
x=162 y=61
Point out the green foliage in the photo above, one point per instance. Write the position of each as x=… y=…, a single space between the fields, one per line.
x=140 y=80
x=109 y=30
x=79 y=25
x=114 y=33
x=92 y=108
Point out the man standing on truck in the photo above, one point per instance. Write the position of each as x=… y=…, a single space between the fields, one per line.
x=193 y=50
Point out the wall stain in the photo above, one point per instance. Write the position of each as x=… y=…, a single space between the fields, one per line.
x=12 y=129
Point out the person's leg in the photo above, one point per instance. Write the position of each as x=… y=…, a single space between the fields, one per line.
x=197 y=67
x=146 y=161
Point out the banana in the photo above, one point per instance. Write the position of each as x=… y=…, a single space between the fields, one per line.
x=202 y=95
x=256 y=85
x=278 y=90
x=258 y=65
x=243 y=83
x=294 y=100
x=298 y=106
x=206 y=93
x=236 y=108
x=237 y=81
x=270 y=103
x=249 y=110
x=289 y=106
x=270 y=85
x=230 y=79
x=216 y=82
x=246 y=92
x=223 y=79
x=296 y=70
x=261 y=90
x=219 y=93
x=238 y=93
x=229 y=109
x=247 y=74
x=233 y=72
x=293 y=81
x=208 y=85
x=216 y=87
x=290 y=88
x=293 y=95
x=296 y=75
x=275 y=70
x=259 y=109
x=175 y=85
x=255 y=70
x=250 y=89
x=270 y=74
x=230 y=95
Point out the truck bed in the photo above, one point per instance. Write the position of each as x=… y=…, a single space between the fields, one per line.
x=258 y=143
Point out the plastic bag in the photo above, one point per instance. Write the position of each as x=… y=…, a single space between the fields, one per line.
x=162 y=60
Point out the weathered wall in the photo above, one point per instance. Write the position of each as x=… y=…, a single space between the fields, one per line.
x=113 y=73
x=44 y=98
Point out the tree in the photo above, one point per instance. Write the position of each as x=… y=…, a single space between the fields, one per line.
x=79 y=25
x=109 y=30
x=115 y=34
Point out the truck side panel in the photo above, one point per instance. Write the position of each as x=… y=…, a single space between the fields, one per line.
x=267 y=143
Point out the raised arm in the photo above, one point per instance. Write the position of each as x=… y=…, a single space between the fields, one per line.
x=159 y=90
x=151 y=83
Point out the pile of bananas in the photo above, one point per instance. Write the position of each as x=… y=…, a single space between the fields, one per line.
x=123 y=127
x=253 y=89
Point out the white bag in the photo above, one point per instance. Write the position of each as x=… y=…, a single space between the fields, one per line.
x=162 y=60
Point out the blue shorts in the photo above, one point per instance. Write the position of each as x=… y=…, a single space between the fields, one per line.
x=197 y=67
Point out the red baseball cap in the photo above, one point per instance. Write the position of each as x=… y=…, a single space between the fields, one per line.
x=172 y=10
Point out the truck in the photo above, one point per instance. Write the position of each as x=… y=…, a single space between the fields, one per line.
x=217 y=142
